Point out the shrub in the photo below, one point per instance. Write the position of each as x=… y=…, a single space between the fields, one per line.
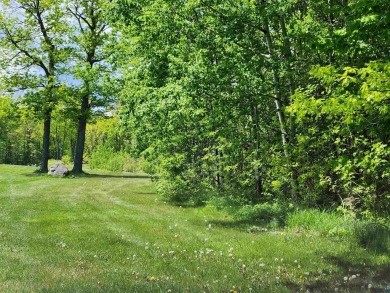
x=66 y=160
x=373 y=236
x=106 y=158
x=187 y=188
x=268 y=214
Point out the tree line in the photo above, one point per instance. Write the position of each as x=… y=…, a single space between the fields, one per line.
x=248 y=100
x=54 y=56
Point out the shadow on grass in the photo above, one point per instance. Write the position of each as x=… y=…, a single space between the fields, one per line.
x=250 y=225
x=350 y=277
x=88 y=175
x=125 y=176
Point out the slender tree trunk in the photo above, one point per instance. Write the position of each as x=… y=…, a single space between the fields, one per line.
x=278 y=104
x=63 y=140
x=292 y=86
x=78 y=158
x=277 y=91
x=46 y=142
x=255 y=137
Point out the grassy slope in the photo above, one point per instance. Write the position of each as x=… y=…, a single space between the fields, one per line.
x=111 y=233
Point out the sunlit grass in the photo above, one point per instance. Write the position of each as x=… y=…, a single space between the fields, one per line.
x=107 y=232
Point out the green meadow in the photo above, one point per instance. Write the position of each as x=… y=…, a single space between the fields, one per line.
x=111 y=232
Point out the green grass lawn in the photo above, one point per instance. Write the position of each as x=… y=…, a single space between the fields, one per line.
x=107 y=232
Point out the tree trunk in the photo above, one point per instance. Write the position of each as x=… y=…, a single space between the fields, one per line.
x=278 y=104
x=78 y=158
x=46 y=142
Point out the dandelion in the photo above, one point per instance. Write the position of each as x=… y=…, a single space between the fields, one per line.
x=152 y=278
x=345 y=278
x=353 y=276
x=62 y=244
x=369 y=286
x=208 y=250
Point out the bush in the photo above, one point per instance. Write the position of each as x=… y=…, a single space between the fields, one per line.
x=107 y=159
x=184 y=189
x=373 y=236
x=269 y=214
x=66 y=160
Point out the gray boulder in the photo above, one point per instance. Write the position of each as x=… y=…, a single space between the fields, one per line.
x=58 y=170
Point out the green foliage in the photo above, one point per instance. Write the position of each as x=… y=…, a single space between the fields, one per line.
x=326 y=223
x=20 y=135
x=193 y=102
x=66 y=160
x=271 y=215
x=184 y=188
x=373 y=236
x=106 y=158
x=343 y=132
x=205 y=77
x=252 y=101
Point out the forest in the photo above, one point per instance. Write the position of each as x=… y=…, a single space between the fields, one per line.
x=239 y=103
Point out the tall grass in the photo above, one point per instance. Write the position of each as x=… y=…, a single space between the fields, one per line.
x=322 y=222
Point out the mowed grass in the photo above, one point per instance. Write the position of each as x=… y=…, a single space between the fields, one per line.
x=107 y=232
